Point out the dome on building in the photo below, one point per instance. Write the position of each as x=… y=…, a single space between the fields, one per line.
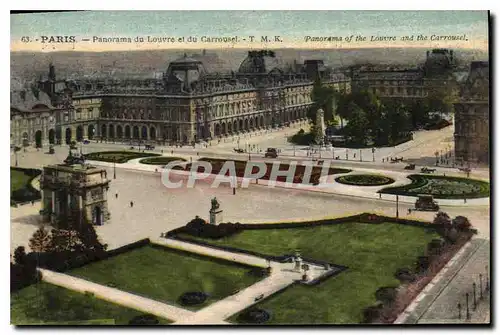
x=259 y=62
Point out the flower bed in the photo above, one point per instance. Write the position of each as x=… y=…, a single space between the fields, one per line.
x=364 y=180
x=442 y=187
x=162 y=160
x=117 y=156
x=240 y=166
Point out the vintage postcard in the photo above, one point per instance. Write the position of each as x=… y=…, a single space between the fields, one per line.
x=250 y=168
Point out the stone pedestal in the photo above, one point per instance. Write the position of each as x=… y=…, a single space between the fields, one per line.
x=215 y=216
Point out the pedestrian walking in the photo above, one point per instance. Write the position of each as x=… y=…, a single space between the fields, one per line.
x=116 y=195
x=409 y=211
x=131 y=204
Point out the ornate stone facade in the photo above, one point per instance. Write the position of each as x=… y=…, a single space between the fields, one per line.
x=190 y=104
x=393 y=82
x=81 y=188
x=32 y=118
x=472 y=115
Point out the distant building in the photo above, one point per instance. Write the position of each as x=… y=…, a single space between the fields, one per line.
x=472 y=115
x=190 y=103
x=32 y=118
x=408 y=84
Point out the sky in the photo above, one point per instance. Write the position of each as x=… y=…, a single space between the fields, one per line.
x=291 y=26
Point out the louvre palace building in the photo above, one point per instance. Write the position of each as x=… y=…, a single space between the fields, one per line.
x=186 y=105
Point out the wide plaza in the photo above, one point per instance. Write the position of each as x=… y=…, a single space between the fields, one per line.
x=142 y=207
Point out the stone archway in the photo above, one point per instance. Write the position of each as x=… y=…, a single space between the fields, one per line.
x=111 y=130
x=230 y=127
x=119 y=131
x=127 y=131
x=224 y=130
x=262 y=123
x=79 y=133
x=103 y=131
x=90 y=131
x=52 y=136
x=152 y=133
x=235 y=126
x=38 y=139
x=240 y=127
x=58 y=135
x=135 y=131
x=144 y=133
x=217 y=129
x=246 y=124
x=250 y=123
x=97 y=217
x=68 y=135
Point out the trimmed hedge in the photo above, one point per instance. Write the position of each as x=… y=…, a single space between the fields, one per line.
x=254 y=315
x=28 y=193
x=482 y=188
x=364 y=180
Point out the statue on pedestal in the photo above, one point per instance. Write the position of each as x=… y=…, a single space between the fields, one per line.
x=215 y=204
x=215 y=212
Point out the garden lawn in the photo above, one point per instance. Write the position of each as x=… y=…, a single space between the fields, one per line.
x=18 y=180
x=164 y=275
x=118 y=156
x=45 y=303
x=372 y=253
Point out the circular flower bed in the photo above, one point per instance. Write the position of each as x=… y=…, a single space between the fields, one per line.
x=193 y=298
x=254 y=315
x=442 y=187
x=364 y=180
x=163 y=160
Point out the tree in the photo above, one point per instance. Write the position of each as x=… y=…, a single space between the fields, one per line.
x=41 y=241
x=442 y=219
x=461 y=223
x=65 y=240
x=20 y=256
x=358 y=125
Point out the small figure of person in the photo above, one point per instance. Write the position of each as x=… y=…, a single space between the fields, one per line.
x=32 y=202
x=409 y=211
x=131 y=204
x=116 y=195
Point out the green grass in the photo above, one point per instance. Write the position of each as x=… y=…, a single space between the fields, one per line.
x=18 y=180
x=118 y=156
x=164 y=275
x=364 y=180
x=372 y=253
x=163 y=160
x=442 y=187
x=49 y=304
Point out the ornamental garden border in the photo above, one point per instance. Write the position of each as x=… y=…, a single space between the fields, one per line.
x=420 y=180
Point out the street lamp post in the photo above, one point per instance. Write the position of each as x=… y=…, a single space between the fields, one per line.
x=15 y=153
x=373 y=153
x=360 y=155
x=114 y=168
x=397 y=206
